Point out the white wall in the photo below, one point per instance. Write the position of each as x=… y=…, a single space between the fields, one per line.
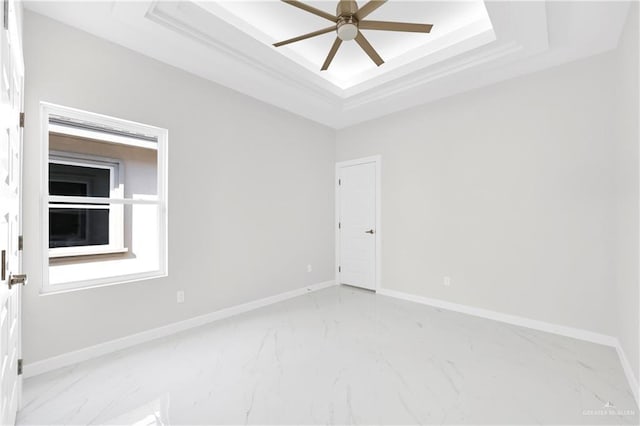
x=510 y=190
x=250 y=191
x=628 y=138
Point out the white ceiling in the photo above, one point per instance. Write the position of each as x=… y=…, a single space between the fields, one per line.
x=473 y=44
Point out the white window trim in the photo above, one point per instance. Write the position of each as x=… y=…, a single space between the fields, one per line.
x=48 y=109
x=116 y=211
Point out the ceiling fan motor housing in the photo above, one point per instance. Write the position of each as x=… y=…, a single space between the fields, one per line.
x=346 y=8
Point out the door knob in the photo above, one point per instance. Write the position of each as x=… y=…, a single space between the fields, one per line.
x=370 y=231
x=17 y=279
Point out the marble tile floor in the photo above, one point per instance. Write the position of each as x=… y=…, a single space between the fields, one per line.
x=341 y=356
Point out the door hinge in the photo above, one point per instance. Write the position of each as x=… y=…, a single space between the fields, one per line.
x=19 y=366
x=339 y=182
x=5 y=13
x=339 y=269
x=339 y=225
x=20 y=242
x=22 y=119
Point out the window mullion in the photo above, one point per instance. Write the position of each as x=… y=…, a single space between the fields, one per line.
x=100 y=200
x=79 y=206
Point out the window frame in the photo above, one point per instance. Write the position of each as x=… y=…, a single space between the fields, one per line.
x=116 y=211
x=47 y=110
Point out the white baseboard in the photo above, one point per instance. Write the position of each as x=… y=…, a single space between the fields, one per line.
x=562 y=330
x=576 y=333
x=53 y=363
x=628 y=372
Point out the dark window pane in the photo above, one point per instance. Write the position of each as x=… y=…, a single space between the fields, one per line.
x=68 y=188
x=78 y=227
x=78 y=181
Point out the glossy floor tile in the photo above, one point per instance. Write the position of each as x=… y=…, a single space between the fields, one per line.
x=342 y=356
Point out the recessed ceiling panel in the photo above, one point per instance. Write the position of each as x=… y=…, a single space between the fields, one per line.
x=273 y=21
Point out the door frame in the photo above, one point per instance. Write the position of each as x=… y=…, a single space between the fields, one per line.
x=377 y=160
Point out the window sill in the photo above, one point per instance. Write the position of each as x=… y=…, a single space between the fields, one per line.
x=62 y=288
x=84 y=251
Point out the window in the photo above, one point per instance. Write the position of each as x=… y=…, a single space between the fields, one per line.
x=104 y=204
x=83 y=228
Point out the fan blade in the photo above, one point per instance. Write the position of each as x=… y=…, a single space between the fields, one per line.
x=369 y=50
x=395 y=26
x=311 y=9
x=332 y=53
x=305 y=36
x=368 y=8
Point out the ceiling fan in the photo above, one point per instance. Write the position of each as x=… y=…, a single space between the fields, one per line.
x=348 y=22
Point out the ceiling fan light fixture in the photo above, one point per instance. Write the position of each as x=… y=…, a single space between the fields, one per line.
x=347 y=30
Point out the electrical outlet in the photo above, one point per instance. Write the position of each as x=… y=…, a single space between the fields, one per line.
x=309 y=268
x=180 y=296
x=447 y=281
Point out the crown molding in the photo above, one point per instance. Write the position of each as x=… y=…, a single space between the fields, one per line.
x=420 y=79
x=173 y=23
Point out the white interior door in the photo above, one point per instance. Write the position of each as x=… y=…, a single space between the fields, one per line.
x=357 y=221
x=11 y=83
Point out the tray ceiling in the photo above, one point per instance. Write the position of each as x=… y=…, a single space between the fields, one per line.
x=272 y=21
x=473 y=44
